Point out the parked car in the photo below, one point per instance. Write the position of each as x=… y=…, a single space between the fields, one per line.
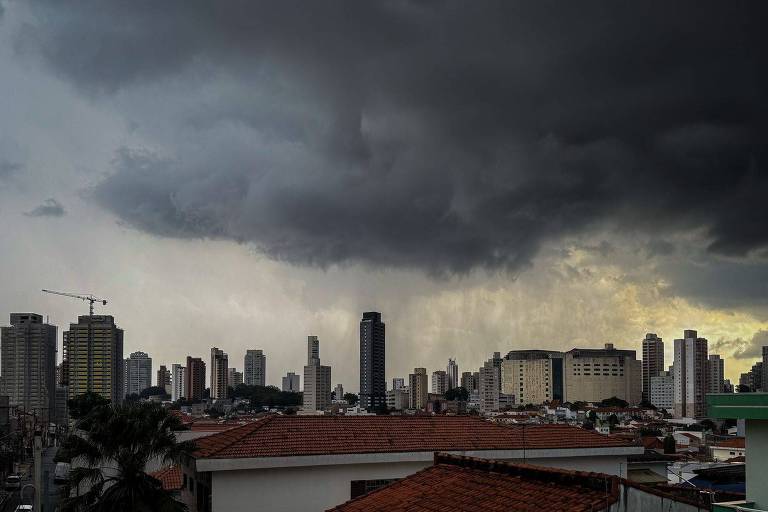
x=61 y=473
x=13 y=482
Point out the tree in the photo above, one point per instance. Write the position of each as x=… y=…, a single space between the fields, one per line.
x=459 y=393
x=614 y=402
x=81 y=405
x=154 y=391
x=125 y=438
x=577 y=406
x=592 y=416
x=613 y=420
x=708 y=424
x=351 y=398
x=669 y=444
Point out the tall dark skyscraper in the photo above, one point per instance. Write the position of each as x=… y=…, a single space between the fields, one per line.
x=373 y=387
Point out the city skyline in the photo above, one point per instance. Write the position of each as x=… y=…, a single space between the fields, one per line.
x=485 y=186
x=431 y=370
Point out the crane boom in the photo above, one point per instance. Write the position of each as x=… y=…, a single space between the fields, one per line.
x=89 y=298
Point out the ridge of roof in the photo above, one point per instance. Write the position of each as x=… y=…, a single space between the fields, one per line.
x=285 y=436
x=229 y=437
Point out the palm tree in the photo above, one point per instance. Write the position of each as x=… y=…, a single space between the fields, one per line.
x=112 y=445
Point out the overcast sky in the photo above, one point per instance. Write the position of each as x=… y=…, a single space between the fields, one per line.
x=490 y=176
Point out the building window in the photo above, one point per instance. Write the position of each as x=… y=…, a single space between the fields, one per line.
x=360 y=487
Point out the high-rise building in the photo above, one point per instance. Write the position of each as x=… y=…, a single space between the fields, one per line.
x=756 y=375
x=727 y=386
x=93 y=355
x=373 y=384
x=764 y=380
x=439 y=382
x=138 y=373
x=28 y=364
x=533 y=376
x=178 y=382
x=292 y=382
x=194 y=378
x=313 y=349
x=317 y=379
x=338 y=392
x=452 y=370
x=663 y=391
x=715 y=374
x=255 y=368
x=488 y=385
x=468 y=381
x=234 y=377
x=164 y=379
x=418 y=392
x=398 y=383
x=653 y=361
x=593 y=375
x=690 y=373
x=219 y=373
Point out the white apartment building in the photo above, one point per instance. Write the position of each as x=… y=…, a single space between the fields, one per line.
x=663 y=391
x=178 y=382
x=488 y=386
x=138 y=373
x=317 y=379
x=255 y=368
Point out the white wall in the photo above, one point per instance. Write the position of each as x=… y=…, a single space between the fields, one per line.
x=318 y=488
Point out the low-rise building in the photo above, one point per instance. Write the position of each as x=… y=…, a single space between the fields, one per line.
x=468 y=483
x=312 y=463
x=726 y=449
x=398 y=399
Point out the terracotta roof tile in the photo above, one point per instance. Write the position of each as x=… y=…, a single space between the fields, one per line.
x=470 y=485
x=736 y=442
x=170 y=477
x=323 y=435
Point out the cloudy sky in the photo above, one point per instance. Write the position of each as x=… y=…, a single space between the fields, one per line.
x=490 y=176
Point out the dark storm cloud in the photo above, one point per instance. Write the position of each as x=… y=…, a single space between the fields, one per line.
x=50 y=208
x=8 y=168
x=741 y=348
x=437 y=135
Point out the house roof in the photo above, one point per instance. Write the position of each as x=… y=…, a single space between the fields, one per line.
x=736 y=442
x=285 y=436
x=170 y=477
x=469 y=484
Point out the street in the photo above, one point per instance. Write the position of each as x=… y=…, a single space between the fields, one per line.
x=50 y=494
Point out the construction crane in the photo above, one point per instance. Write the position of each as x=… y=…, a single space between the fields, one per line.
x=90 y=298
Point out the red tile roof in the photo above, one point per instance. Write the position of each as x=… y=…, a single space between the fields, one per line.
x=736 y=442
x=469 y=485
x=326 y=435
x=170 y=477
